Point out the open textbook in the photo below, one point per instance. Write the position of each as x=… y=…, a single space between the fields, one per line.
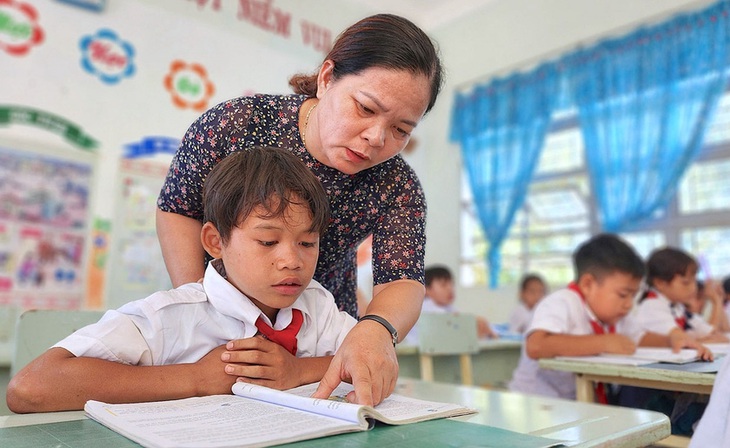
x=643 y=355
x=258 y=416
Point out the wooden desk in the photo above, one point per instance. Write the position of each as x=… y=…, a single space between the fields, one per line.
x=492 y=366
x=578 y=424
x=588 y=373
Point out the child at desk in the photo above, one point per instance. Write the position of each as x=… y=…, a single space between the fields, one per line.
x=710 y=293
x=440 y=299
x=532 y=289
x=264 y=212
x=589 y=317
x=663 y=308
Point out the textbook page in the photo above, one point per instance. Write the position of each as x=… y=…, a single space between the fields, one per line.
x=216 y=421
x=254 y=415
x=642 y=356
x=394 y=410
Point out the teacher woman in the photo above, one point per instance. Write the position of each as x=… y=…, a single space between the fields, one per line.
x=348 y=122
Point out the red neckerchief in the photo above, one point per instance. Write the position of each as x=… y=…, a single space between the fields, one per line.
x=681 y=320
x=287 y=337
x=598 y=328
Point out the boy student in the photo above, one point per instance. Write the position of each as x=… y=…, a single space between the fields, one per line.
x=589 y=317
x=440 y=299
x=711 y=293
x=532 y=289
x=265 y=212
x=663 y=308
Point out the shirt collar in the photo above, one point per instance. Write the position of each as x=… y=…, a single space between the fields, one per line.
x=228 y=300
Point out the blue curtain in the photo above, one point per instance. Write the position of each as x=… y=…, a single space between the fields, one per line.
x=644 y=102
x=501 y=128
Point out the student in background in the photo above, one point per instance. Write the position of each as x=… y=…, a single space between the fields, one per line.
x=671 y=277
x=588 y=317
x=440 y=299
x=532 y=289
x=265 y=212
x=711 y=293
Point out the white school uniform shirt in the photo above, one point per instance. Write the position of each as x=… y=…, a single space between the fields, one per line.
x=520 y=318
x=713 y=430
x=428 y=306
x=184 y=324
x=561 y=312
x=659 y=315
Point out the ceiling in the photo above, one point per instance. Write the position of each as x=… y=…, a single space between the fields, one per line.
x=428 y=14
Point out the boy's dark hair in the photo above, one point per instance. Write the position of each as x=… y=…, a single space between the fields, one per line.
x=665 y=263
x=605 y=254
x=437 y=272
x=726 y=285
x=531 y=277
x=272 y=178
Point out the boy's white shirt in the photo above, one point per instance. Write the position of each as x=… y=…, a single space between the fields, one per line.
x=658 y=315
x=561 y=312
x=520 y=318
x=184 y=324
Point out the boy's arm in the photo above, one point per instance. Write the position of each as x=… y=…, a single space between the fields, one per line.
x=543 y=344
x=58 y=381
x=677 y=339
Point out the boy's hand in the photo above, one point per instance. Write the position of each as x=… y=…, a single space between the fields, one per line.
x=259 y=361
x=484 y=330
x=714 y=291
x=212 y=379
x=618 y=343
x=678 y=339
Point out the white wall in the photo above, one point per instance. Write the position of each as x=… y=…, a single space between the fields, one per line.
x=502 y=37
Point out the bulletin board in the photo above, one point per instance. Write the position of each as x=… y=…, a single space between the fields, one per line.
x=136 y=268
x=44 y=214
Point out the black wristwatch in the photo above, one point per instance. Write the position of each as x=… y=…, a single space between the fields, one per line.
x=383 y=322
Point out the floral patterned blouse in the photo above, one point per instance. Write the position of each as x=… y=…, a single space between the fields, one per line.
x=386 y=200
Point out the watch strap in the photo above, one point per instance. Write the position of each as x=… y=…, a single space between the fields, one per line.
x=381 y=320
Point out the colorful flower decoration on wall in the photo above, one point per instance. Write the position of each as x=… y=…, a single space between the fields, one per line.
x=189 y=85
x=19 y=28
x=107 y=56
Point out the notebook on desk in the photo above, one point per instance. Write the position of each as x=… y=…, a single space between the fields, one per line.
x=697 y=367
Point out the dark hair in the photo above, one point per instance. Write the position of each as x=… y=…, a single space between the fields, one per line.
x=665 y=263
x=726 y=284
x=383 y=40
x=272 y=178
x=437 y=272
x=605 y=254
x=530 y=277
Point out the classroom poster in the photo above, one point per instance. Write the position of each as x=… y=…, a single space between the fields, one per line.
x=43 y=216
x=136 y=268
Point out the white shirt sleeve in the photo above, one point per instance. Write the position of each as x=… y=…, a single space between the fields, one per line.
x=713 y=430
x=655 y=315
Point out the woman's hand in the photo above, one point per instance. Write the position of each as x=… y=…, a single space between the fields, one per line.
x=367 y=359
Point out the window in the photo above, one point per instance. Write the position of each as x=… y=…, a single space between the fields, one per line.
x=559 y=212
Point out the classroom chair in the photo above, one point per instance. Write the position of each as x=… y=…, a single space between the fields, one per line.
x=447 y=334
x=37 y=330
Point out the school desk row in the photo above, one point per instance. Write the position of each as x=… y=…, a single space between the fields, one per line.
x=503 y=419
x=492 y=364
